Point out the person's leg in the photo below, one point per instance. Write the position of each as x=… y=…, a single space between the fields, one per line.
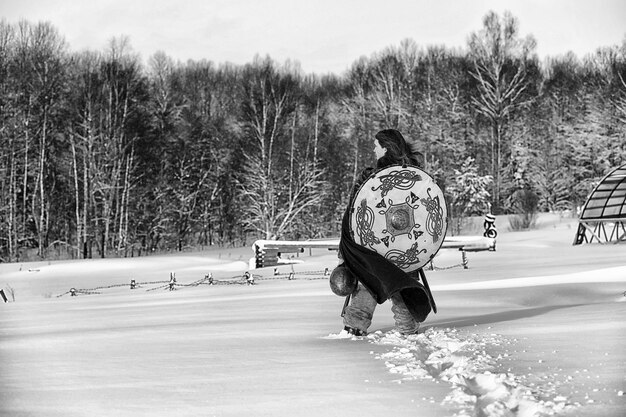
x=358 y=314
x=405 y=322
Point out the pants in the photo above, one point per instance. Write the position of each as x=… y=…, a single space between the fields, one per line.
x=359 y=312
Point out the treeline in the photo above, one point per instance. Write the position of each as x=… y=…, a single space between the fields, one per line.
x=101 y=156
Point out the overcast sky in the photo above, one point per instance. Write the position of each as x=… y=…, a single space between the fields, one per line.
x=323 y=35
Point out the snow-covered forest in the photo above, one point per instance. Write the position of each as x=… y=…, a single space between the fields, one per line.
x=102 y=154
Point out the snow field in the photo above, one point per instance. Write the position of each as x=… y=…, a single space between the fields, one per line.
x=533 y=329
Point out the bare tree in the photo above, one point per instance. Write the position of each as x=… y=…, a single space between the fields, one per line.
x=40 y=61
x=358 y=114
x=8 y=151
x=83 y=138
x=274 y=190
x=267 y=95
x=500 y=57
x=389 y=79
x=102 y=147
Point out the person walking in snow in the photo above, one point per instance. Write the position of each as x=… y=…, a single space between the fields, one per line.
x=390 y=148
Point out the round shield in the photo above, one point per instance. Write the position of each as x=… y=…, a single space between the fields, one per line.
x=400 y=213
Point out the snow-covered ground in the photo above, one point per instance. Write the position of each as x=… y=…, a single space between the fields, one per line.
x=535 y=328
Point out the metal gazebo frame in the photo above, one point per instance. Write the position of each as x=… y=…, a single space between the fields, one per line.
x=603 y=218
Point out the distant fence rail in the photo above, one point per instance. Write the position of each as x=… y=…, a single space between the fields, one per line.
x=172 y=284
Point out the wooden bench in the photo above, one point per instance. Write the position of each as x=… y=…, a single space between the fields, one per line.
x=269 y=252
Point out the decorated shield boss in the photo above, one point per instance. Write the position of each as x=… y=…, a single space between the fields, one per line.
x=400 y=213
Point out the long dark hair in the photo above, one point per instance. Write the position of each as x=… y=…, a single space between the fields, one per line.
x=399 y=151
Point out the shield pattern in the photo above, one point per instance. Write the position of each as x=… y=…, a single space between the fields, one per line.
x=400 y=213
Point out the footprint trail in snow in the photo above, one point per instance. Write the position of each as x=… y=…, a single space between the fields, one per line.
x=462 y=360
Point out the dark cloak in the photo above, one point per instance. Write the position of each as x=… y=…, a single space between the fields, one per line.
x=380 y=276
